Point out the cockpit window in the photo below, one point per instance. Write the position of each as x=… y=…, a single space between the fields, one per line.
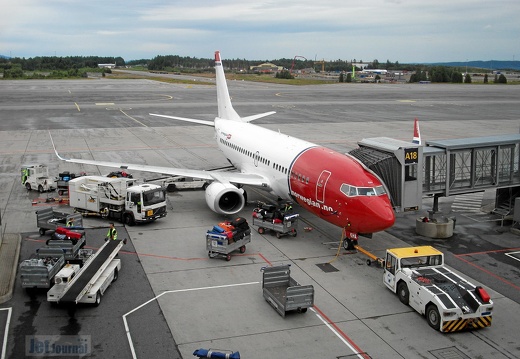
x=366 y=191
x=352 y=191
x=379 y=190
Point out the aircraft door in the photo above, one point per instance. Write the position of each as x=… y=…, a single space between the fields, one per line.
x=320 y=186
x=255 y=158
x=390 y=269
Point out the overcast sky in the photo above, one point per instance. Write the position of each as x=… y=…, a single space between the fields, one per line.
x=396 y=30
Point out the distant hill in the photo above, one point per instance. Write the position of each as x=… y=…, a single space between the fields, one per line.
x=489 y=65
x=4 y=57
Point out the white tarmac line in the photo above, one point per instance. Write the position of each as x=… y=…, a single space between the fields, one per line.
x=129 y=336
x=127 y=329
x=512 y=255
x=6 y=331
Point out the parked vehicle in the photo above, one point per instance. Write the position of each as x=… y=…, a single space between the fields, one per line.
x=117 y=197
x=449 y=302
x=88 y=284
x=36 y=177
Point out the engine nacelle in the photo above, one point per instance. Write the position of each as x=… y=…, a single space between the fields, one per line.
x=225 y=198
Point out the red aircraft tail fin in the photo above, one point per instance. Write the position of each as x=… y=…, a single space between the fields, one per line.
x=416 y=132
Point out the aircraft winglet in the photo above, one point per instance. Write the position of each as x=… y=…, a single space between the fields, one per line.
x=55 y=150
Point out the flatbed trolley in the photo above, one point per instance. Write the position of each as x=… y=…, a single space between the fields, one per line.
x=285 y=228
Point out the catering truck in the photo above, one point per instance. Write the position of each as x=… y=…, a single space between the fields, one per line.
x=449 y=302
x=118 y=198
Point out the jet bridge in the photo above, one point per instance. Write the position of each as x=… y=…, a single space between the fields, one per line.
x=444 y=168
x=398 y=164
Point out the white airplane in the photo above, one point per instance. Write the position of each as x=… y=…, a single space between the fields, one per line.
x=334 y=186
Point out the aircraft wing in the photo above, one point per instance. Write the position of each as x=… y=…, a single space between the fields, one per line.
x=220 y=176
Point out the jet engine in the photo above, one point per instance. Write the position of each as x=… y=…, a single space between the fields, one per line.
x=225 y=198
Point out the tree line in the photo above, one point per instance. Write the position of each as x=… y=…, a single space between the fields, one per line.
x=449 y=74
x=166 y=62
x=77 y=66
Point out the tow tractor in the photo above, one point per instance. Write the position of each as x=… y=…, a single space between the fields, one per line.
x=36 y=177
x=450 y=303
x=89 y=283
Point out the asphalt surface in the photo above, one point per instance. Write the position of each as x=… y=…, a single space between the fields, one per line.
x=173 y=298
x=35 y=316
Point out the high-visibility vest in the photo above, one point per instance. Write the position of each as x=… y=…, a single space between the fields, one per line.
x=112 y=233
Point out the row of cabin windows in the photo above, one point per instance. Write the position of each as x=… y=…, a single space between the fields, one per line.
x=280 y=168
x=300 y=177
x=255 y=156
x=246 y=152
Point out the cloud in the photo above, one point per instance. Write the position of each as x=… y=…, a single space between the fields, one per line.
x=399 y=30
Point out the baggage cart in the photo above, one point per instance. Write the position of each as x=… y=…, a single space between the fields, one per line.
x=62 y=182
x=219 y=245
x=49 y=219
x=287 y=226
x=227 y=237
x=39 y=270
x=283 y=293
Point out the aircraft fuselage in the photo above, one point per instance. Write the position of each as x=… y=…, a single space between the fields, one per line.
x=333 y=186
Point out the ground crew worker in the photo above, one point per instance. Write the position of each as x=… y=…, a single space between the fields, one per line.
x=288 y=208
x=112 y=233
x=70 y=222
x=25 y=175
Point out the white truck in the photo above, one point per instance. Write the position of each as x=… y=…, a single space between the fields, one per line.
x=36 y=177
x=87 y=284
x=119 y=198
x=450 y=303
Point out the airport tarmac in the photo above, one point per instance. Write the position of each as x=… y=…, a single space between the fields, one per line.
x=212 y=303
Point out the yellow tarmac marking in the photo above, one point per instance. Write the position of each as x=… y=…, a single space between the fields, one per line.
x=406 y=101
x=77 y=106
x=104 y=104
x=127 y=115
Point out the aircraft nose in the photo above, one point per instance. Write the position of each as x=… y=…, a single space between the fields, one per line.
x=380 y=216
